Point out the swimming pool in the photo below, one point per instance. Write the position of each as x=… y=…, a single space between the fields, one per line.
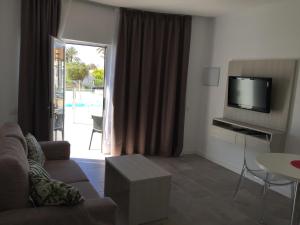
x=82 y=99
x=81 y=104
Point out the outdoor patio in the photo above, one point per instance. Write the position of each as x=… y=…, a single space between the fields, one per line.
x=79 y=108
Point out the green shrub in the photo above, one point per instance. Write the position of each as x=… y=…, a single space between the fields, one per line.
x=98 y=74
x=99 y=83
x=76 y=70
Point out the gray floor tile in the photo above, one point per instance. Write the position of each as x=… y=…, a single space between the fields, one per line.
x=202 y=194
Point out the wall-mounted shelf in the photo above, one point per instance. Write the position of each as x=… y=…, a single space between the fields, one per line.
x=282 y=72
x=236 y=132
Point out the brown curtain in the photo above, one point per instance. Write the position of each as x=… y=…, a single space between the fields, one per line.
x=150 y=83
x=39 y=21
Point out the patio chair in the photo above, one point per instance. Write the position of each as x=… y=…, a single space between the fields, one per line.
x=58 y=124
x=97 y=127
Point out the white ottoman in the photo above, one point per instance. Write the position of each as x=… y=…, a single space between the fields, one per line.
x=139 y=187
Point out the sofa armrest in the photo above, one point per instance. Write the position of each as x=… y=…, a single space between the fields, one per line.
x=91 y=212
x=56 y=150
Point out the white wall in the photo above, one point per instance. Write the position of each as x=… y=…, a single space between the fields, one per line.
x=9 y=60
x=269 y=31
x=200 y=56
x=87 y=21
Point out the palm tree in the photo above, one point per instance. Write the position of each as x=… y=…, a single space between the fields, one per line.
x=71 y=55
x=101 y=51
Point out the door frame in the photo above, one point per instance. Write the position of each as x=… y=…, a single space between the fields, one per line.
x=54 y=41
x=92 y=44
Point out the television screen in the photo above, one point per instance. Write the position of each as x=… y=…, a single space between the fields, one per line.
x=252 y=93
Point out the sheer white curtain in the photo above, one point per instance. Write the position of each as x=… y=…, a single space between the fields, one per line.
x=108 y=130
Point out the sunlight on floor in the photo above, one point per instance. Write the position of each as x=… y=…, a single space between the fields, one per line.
x=90 y=155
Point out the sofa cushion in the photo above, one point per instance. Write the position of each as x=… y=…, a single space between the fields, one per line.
x=67 y=171
x=13 y=130
x=48 y=192
x=91 y=212
x=14 y=182
x=36 y=169
x=86 y=189
x=35 y=151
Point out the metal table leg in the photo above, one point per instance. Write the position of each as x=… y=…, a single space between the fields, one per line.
x=296 y=206
x=238 y=186
x=264 y=196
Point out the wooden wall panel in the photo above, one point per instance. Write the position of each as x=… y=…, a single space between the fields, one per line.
x=283 y=73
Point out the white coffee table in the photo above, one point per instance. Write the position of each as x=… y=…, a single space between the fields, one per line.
x=139 y=187
x=280 y=164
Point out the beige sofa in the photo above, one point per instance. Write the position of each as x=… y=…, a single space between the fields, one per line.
x=14 y=186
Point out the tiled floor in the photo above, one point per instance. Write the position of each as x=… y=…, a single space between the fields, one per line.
x=202 y=193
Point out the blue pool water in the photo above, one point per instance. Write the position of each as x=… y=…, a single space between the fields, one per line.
x=80 y=104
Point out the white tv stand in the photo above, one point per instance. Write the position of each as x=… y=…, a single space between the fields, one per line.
x=248 y=135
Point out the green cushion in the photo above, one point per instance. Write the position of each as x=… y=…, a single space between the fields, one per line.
x=47 y=192
x=35 y=151
x=36 y=169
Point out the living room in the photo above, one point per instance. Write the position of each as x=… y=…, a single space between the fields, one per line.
x=231 y=38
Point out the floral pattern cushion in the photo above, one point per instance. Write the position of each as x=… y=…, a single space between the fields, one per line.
x=47 y=192
x=35 y=151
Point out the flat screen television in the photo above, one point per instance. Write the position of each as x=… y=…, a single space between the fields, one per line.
x=251 y=93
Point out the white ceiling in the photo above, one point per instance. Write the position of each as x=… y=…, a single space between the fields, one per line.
x=189 y=7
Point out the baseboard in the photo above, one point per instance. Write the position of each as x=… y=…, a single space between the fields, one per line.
x=221 y=163
x=188 y=151
x=285 y=191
